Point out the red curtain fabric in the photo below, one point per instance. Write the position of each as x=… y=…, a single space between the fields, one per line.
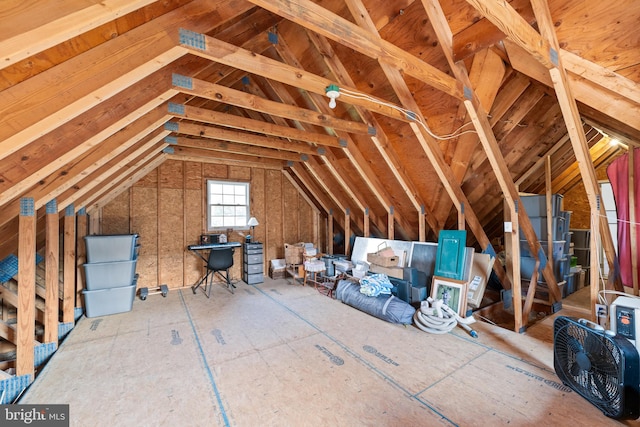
x=618 y=172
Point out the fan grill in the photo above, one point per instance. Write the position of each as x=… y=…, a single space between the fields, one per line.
x=595 y=366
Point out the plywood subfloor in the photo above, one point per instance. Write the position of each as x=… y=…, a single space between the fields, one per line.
x=277 y=354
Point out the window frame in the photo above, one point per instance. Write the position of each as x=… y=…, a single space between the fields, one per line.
x=212 y=181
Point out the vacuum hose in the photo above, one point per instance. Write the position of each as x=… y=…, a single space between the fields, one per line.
x=435 y=317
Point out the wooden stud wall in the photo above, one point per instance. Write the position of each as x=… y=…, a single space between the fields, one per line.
x=167 y=209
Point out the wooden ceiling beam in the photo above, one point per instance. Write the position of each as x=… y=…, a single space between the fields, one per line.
x=46 y=101
x=380 y=140
x=429 y=145
x=216 y=133
x=114 y=171
x=16 y=47
x=115 y=188
x=322 y=21
x=238 y=98
x=241 y=148
x=250 y=125
x=484 y=34
x=350 y=149
x=24 y=169
x=201 y=155
x=69 y=175
x=228 y=54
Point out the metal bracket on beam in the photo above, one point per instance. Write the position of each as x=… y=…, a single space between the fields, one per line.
x=553 y=56
x=468 y=93
x=52 y=207
x=304 y=157
x=342 y=142
x=27 y=206
x=542 y=257
x=171 y=140
x=372 y=131
x=175 y=108
x=172 y=126
x=168 y=150
x=192 y=39
x=181 y=81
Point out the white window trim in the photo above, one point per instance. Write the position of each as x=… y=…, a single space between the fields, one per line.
x=210 y=182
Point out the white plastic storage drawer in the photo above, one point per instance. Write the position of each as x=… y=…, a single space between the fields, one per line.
x=253 y=268
x=254 y=259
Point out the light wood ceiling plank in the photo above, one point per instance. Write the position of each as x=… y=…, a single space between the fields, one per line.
x=342 y=175
x=46 y=101
x=115 y=188
x=380 y=140
x=59 y=29
x=330 y=25
x=114 y=171
x=228 y=54
x=69 y=174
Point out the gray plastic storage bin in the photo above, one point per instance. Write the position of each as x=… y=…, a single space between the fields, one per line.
x=536 y=205
x=102 y=275
x=103 y=302
x=117 y=247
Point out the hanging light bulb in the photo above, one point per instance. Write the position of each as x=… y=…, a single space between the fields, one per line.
x=333 y=92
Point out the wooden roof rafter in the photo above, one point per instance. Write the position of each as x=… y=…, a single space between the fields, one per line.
x=349 y=148
x=380 y=139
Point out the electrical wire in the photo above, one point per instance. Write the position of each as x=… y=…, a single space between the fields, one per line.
x=410 y=114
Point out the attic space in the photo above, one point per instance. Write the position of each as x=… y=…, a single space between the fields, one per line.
x=342 y=169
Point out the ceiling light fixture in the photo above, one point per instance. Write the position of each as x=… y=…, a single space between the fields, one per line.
x=333 y=92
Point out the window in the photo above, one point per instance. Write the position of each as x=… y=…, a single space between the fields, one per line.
x=228 y=204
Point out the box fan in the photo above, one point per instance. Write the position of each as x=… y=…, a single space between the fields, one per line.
x=601 y=366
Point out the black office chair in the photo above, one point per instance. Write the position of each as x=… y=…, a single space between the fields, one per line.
x=220 y=261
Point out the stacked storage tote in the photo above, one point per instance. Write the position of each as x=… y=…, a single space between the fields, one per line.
x=110 y=274
x=536 y=208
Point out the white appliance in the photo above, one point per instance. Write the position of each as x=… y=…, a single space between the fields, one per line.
x=624 y=318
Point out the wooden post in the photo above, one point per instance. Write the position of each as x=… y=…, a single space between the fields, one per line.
x=347 y=231
x=512 y=251
x=391 y=223
x=26 y=288
x=81 y=254
x=632 y=220
x=367 y=231
x=330 y=232
x=69 y=266
x=422 y=232
x=52 y=273
x=549 y=202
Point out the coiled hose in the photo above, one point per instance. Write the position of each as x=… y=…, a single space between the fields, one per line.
x=435 y=317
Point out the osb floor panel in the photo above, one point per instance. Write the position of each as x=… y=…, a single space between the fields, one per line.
x=277 y=354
